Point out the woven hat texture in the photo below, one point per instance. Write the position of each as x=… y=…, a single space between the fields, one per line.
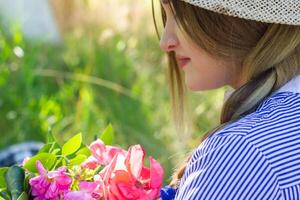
x=269 y=11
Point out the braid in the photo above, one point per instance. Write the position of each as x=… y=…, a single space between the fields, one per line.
x=250 y=94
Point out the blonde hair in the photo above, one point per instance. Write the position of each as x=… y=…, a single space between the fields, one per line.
x=269 y=54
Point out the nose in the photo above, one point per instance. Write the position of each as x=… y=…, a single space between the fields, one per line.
x=169 y=40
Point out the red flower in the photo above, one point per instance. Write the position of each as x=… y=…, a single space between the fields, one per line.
x=126 y=177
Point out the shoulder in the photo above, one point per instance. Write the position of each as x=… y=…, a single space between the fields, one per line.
x=227 y=167
x=221 y=151
x=241 y=160
x=280 y=102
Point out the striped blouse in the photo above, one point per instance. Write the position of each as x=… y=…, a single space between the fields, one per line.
x=256 y=157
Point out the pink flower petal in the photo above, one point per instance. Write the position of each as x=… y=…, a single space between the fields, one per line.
x=111 y=151
x=135 y=160
x=78 y=195
x=156 y=173
x=108 y=170
x=49 y=185
x=130 y=191
x=145 y=176
x=52 y=192
x=103 y=190
x=97 y=148
x=40 y=168
x=104 y=154
x=88 y=186
x=151 y=194
x=91 y=163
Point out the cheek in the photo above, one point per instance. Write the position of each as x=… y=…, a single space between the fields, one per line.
x=205 y=74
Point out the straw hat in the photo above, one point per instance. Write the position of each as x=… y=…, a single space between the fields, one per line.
x=270 y=11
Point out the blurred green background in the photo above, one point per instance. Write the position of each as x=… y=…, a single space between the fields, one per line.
x=107 y=68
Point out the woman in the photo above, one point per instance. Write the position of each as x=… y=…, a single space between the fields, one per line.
x=254 y=47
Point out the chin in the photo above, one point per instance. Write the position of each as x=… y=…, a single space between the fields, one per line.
x=196 y=87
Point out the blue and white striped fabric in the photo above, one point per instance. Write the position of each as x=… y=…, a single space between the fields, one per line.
x=257 y=157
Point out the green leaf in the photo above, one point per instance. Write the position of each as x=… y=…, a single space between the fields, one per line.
x=107 y=135
x=3 y=171
x=45 y=148
x=47 y=159
x=27 y=186
x=72 y=145
x=4 y=195
x=100 y=167
x=58 y=163
x=50 y=137
x=50 y=148
x=15 y=177
x=77 y=160
x=84 y=151
x=1 y=198
x=23 y=196
x=56 y=151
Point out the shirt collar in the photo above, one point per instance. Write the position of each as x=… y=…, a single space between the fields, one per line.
x=292 y=85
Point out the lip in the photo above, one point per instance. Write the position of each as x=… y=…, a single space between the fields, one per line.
x=182 y=60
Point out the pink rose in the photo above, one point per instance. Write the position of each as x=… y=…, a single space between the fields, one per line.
x=126 y=177
x=101 y=154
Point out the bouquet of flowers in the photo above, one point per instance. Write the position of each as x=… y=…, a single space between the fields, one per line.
x=75 y=171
